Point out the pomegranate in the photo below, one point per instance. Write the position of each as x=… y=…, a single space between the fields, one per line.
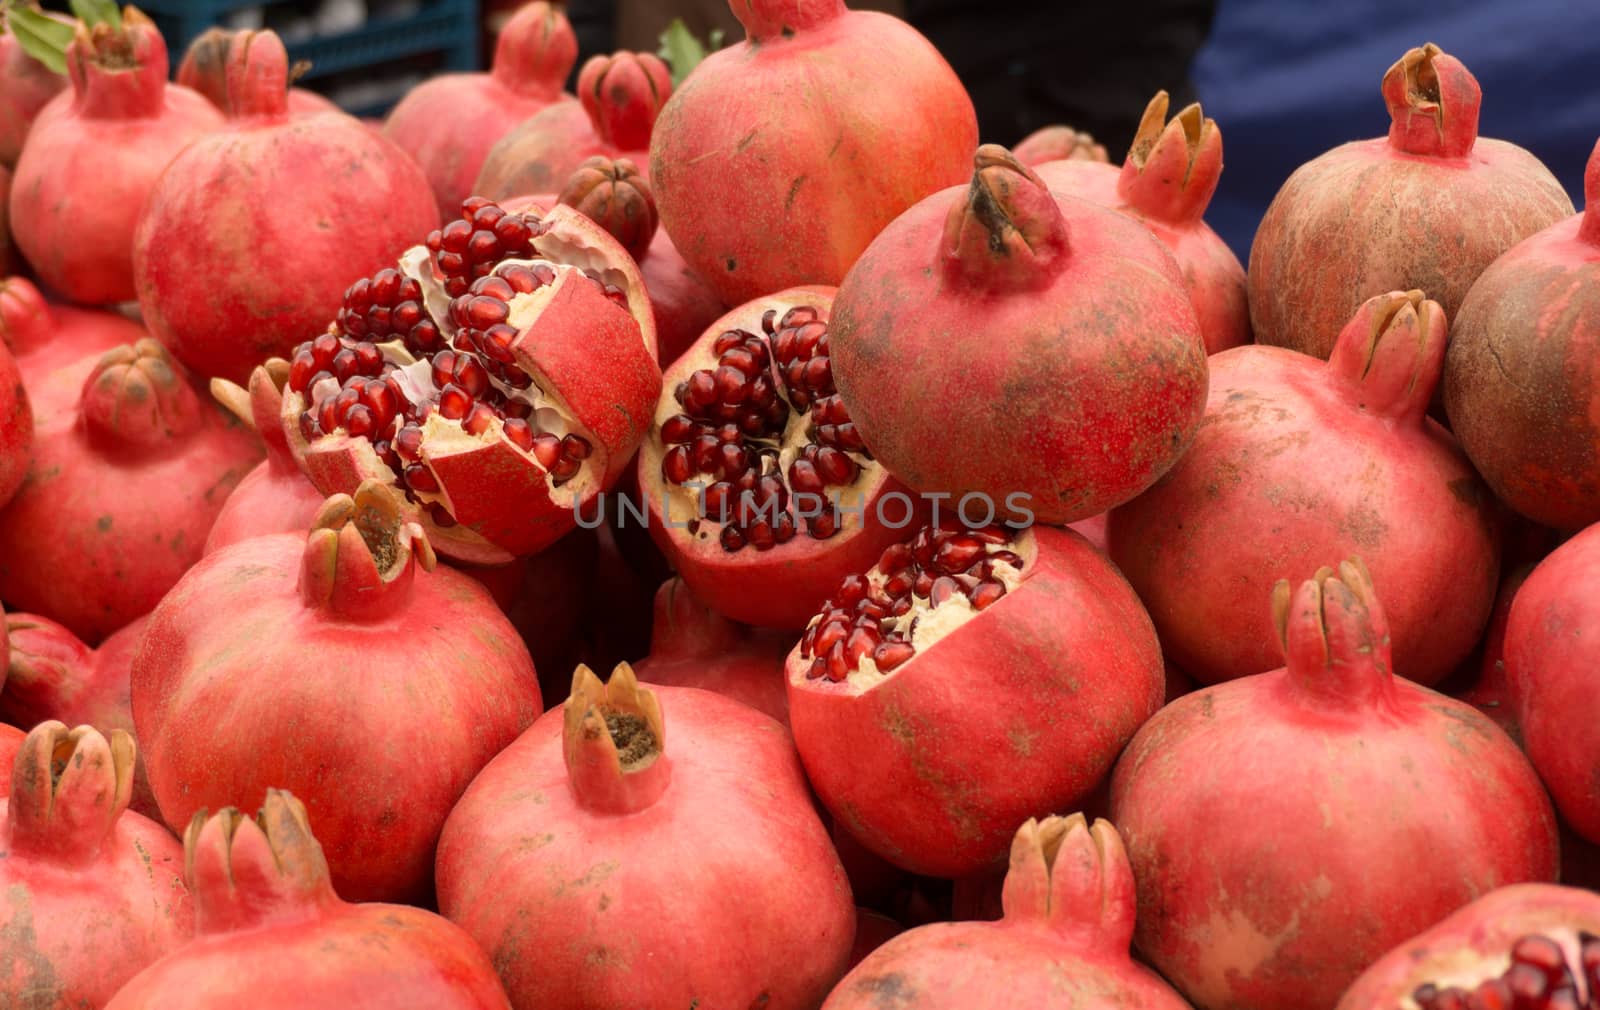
x=92 y=891
x=587 y=849
x=29 y=86
x=275 y=497
x=1069 y=915
x=692 y=645
x=94 y=156
x=501 y=378
x=125 y=485
x=1487 y=687
x=46 y=338
x=1087 y=378
x=1429 y=207
x=450 y=122
x=1528 y=946
x=1299 y=462
x=1059 y=143
x=11 y=739
x=1523 y=372
x=272 y=934
x=758 y=487
x=284 y=656
x=883 y=679
x=16 y=427
x=621 y=95
x=6 y=264
x=763 y=186
x=205 y=69
x=1257 y=891
x=873 y=930
x=1553 y=665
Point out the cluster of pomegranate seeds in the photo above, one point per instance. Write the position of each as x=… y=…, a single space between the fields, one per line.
x=1539 y=979
x=388 y=306
x=473 y=244
x=863 y=618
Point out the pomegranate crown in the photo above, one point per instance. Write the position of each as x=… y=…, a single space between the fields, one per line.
x=616 y=196
x=246 y=872
x=260 y=406
x=1334 y=634
x=68 y=787
x=205 y=65
x=764 y=20
x=138 y=399
x=1589 y=231
x=623 y=93
x=1172 y=168
x=536 y=51
x=1391 y=354
x=1433 y=104
x=257 y=77
x=1074 y=878
x=361 y=555
x=614 y=742
x=1007 y=233
x=118 y=70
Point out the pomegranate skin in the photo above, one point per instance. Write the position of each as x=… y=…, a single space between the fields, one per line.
x=449 y=123
x=283 y=656
x=30 y=85
x=271 y=933
x=1332 y=237
x=1255 y=892
x=322 y=198
x=46 y=338
x=127 y=480
x=16 y=427
x=1088 y=375
x=93 y=158
x=10 y=745
x=638 y=854
x=957 y=761
x=275 y=497
x=204 y=69
x=1299 y=462
x=1488 y=686
x=1063 y=942
x=1553 y=666
x=6 y=264
x=763 y=187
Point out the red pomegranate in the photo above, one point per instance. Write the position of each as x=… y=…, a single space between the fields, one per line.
x=29 y=86
x=92 y=892
x=275 y=497
x=589 y=848
x=873 y=930
x=1553 y=665
x=1300 y=462
x=1528 y=946
x=46 y=338
x=1429 y=207
x=692 y=645
x=1256 y=891
x=1059 y=143
x=321 y=198
x=126 y=483
x=11 y=739
x=883 y=679
x=1486 y=686
x=94 y=156
x=757 y=484
x=450 y=122
x=763 y=186
x=204 y=69
x=1523 y=372
x=284 y=656
x=1087 y=375
x=1063 y=942
x=272 y=934
x=16 y=427
x=6 y=259
x=621 y=94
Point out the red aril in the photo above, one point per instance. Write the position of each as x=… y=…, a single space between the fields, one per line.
x=1059 y=143
x=28 y=87
x=45 y=338
x=204 y=69
x=16 y=427
x=275 y=497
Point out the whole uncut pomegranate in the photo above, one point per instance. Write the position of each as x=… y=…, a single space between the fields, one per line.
x=16 y=427
x=621 y=94
x=1333 y=236
x=6 y=263
x=94 y=157
x=1553 y=665
x=272 y=934
x=204 y=69
x=758 y=487
x=501 y=379
x=126 y=483
x=1487 y=686
x=1069 y=913
x=590 y=848
x=1527 y=946
x=1523 y=372
x=1059 y=143
x=29 y=86
x=1087 y=375
x=1299 y=462
x=1255 y=891
x=320 y=198
x=46 y=338
x=92 y=892
x=275 y=497
x=883 y=680
x=282 y=657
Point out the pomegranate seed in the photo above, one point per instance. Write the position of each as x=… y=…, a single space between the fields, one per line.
x=838 y=667
x=520 y=432
x=408 y=443
x=456 y=235
x=324 y=347
x=454 y=402
x=958 y=554
x=731 y=539
x=891 y=655
x=575 y=447
x=301 y=369
x=484 y=245
x=309 y=429
x=478 y=419
x=547 y=450
x=986 y=593
x=421 y=478
x=678 y=428
x=823 y=526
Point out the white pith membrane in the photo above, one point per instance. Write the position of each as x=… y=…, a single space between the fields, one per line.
x=879 y=621
x=1560 y=970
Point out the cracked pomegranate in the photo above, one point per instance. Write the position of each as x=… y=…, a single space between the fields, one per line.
x=275 y=497
x=204 y=69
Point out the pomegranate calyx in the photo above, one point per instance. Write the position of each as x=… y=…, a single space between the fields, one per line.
x=118 y=72
x=1073 y=878
x=1433 y=104
x=1589 y=230
x=205 y=65
x=260 y=407
x=1335 y=637
x=138 y=399
x=1007 y=234
x=616 y=196
x=535 y=51
x=764 y=20
x=245 y=872
x=257 y=77
x=1390 y=355
x=1172 y=168
x=45 y=672
x=361 y=554
x=623 y=94
x=614 y=742
x=26 y=323
x=68 y=788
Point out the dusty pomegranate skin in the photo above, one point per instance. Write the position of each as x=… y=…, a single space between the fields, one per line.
x=1059 y=143
x=884 y=679
x=1523 y=370
x=1531 y=946
x=16 y=427
x=275 y=497
x=272 y=934
x=30 y=85
x=1299 y=462
x=764 y=187
x=1063 y=942
x=1255 y=891
x=204 y=69
x=1333 y=236
x=92 y=892
x=999 y=340
x=44 y=338
x=284 y=656
x=604 y=864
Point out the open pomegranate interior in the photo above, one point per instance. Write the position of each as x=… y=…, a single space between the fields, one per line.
x=1539 y=973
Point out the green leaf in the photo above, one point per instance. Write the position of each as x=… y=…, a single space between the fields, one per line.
x=94 y=12
x=43 y=38
x=682 y=51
